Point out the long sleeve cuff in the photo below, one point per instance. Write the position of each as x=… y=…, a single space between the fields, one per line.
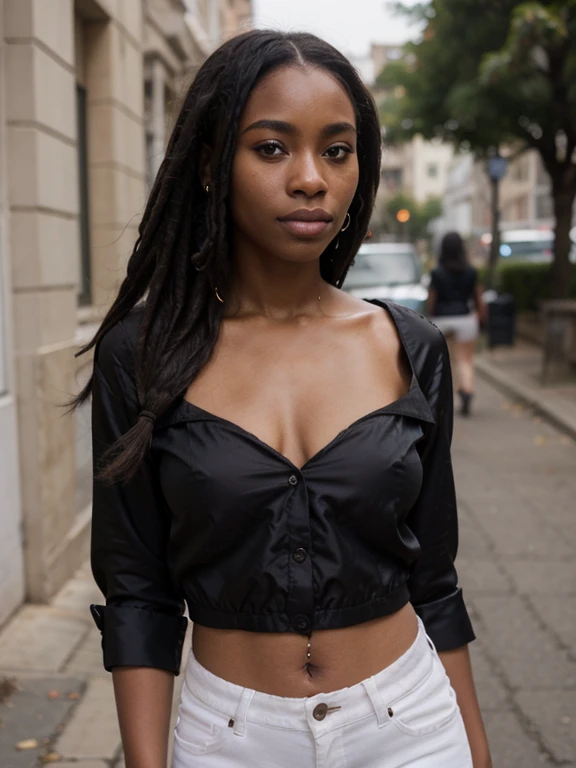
x=446 y=621
x=140 y=637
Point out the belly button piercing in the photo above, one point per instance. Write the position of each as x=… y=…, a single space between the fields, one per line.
x=308 y=651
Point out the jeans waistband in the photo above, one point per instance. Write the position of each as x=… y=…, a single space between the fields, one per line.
x=375 y=695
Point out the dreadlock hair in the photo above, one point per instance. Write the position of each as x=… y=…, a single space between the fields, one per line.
x=183 y=252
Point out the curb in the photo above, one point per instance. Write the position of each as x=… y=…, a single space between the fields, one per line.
x=549 y=407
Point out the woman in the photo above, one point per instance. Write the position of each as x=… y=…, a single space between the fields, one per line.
x=453 y=288
x=273 y=451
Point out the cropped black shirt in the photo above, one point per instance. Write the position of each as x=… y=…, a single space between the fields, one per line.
x=222 y=521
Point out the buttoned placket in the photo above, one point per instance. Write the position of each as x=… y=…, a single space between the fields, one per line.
x=300 y=604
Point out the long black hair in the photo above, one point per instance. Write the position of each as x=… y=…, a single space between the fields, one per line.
x=452 y=252
x=183 y=247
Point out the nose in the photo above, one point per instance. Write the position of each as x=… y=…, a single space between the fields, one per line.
x=307 y=177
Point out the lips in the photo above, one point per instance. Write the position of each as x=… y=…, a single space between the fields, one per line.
x=305 y=222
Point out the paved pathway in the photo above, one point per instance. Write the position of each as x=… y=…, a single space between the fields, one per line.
x=516 y=479
x=516 y=482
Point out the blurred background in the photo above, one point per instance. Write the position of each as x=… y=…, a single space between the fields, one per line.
x=478 y=111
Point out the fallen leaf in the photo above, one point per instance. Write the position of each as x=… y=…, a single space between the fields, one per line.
x=8 y=686
x=27 y=744
x=73 y=695
x=51 y=757
x=53 y=694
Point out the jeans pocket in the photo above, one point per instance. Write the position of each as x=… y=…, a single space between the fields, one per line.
x=199 y=730
x=428 y=707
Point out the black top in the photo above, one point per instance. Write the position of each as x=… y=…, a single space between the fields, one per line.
x=221 y=520
x=454 y=290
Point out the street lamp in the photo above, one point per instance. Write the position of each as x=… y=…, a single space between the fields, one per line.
x=497 y=166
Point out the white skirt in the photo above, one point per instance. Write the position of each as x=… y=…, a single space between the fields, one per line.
x=405 y=715
x=464 y=327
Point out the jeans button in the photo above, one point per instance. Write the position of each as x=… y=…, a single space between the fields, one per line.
x=320 y=711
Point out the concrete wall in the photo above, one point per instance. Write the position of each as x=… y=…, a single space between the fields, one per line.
x=49 y=46
x=55 y=55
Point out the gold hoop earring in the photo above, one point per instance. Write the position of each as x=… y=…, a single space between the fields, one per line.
x=207 y=187
x=218 y=295
x=345 y=227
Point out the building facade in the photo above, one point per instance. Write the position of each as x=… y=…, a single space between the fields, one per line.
x=418 y=168
x=88 y=89
x=525 y=196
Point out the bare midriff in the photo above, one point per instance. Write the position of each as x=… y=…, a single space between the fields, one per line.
x=283 y=664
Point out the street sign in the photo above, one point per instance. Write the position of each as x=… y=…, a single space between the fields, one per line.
x=497 y=167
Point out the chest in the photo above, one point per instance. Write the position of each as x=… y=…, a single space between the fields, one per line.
x=295 y=390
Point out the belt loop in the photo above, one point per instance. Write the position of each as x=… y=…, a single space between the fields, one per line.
x=382 y=713
x=242 y=712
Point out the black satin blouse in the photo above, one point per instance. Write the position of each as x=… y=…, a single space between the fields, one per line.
x=220 y=520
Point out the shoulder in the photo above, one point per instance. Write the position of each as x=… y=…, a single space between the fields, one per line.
x=424 y=343
x=116 y=350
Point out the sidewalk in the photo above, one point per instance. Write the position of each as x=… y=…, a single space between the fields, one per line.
x=516 y=372
x=57 y=701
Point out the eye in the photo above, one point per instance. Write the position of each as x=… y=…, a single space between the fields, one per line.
x=269 y=149
x=339 y=151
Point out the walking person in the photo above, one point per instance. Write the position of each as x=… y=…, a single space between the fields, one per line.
x=274 y=453
x=456 y=306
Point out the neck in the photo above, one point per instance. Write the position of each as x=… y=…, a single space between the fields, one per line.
x=276 y=289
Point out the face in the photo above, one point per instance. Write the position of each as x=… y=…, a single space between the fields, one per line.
x=295 y=170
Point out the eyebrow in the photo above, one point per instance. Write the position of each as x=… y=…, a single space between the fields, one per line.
x=280 y=126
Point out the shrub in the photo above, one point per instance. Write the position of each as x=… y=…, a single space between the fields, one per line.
x=526 y=281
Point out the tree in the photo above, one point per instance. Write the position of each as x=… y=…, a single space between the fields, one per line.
x=491 y=73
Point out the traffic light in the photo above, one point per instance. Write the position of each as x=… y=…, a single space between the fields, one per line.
x=403 y=215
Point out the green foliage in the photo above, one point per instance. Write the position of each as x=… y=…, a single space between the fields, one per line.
x=527 y=282
x=490 y=73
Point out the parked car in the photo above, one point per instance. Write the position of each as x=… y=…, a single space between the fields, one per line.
x=534 y=245
x=388 y=271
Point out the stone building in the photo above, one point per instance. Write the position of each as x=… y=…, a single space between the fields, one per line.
x=86 y=92
x=418 y=167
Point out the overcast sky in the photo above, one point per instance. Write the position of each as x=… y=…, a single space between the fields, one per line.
x=350 y=25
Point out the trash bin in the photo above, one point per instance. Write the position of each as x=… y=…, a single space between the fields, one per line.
x=501 y=325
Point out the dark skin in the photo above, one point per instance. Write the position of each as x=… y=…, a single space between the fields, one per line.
x=278 y=314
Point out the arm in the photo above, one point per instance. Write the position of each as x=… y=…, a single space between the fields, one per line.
x=431 y=301
x=142 y=623
x=144 y=702
x=480 y=304
x=433 y=581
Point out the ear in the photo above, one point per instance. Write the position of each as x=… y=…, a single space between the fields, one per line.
x=205 y=170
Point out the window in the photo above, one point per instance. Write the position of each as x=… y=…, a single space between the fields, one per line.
x=544 y=206
x=432 y=171
x=393 y=178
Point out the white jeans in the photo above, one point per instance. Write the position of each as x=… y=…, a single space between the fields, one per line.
x=406 y=715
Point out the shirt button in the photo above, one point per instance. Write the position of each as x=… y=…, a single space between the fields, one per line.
x=293 y=480
x=301 y=623
x=299 y=555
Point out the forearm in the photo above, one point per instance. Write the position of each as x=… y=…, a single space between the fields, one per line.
x=459 y=670
x=144 y=703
